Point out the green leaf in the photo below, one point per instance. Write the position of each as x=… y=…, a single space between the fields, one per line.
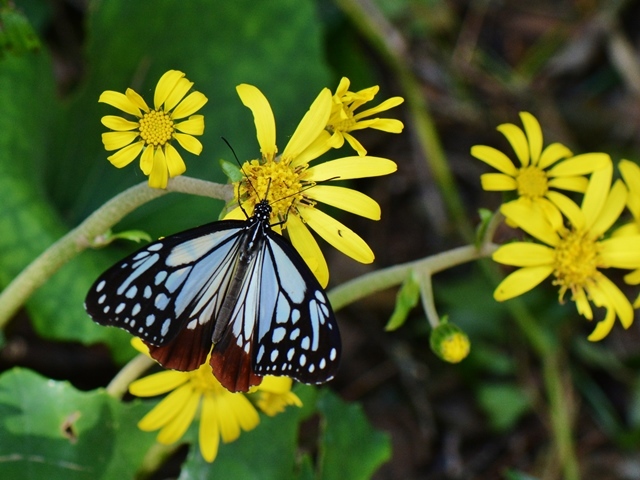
x=406 y=300
x=350 y=447
x=48 y=429
x=503 y=403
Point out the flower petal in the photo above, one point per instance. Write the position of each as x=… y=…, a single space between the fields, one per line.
x=190 y=105
x=613 y=206
x=253 y=99
x=209 y=433
x=166 y=410
x=308 y=248
x=580 y=165
x=146 y=160
x=175 y=429
x=631 y=175
x=159 y=175
x=498 y=182
x=319 y=146
x=175 y=164
x=189 y=143
x=355 y=144
x=569 y=208
x=552 y=153
x=120 y=101
x=573 y=184
x=135 y=98
x=350 y=167
x=603 y=327
x=179 y=91
x=524 y=254
x=165 y=85
x=125 y=156
x=313 y=122
x=346 y=199
x=531 y=221
x=494 y=158
x=596 y=194
x=115 y=140
x=518 y=141
x=534 y=135
x=386 y=105
x=521 y=281
x=193 y=126
x=337 y=234
x=158 y=383
x=118 y=123
x=621 y=252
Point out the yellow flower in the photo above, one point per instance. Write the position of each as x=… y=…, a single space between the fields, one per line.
x=287 y=179
x=343 y=118
x=222 y=414
x=575 y=255
x=154 y=129
x=540 y=170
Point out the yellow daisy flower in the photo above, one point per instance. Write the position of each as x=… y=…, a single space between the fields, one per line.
x=540 y=170
x=287 y=179
x=222 y=414
x=154 y=129
x=575 y=255
x=343 y=118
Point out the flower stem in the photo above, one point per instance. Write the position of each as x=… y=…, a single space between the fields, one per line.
x=81 y=237
x=130 y=372
x=379 y=280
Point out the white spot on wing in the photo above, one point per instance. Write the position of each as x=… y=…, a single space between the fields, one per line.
x=131 y=292
x=150 y=319
x=305 y=343
x=278 y=335
x=165 y=327
x=100 y=286
x=136 y=309
x=274 y=355
x=120 y=308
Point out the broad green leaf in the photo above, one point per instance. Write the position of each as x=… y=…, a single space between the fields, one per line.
x=406 y=300
x=349 y=447
x=48 y=429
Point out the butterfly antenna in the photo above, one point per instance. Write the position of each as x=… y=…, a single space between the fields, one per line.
x=245 y=176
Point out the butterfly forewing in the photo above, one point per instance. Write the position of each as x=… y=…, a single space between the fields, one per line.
x=235 y=283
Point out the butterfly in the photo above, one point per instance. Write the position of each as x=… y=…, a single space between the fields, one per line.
x=234 y=285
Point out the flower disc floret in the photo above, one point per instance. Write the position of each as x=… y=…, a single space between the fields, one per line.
x=576 y=262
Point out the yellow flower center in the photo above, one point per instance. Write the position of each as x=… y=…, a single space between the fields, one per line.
x=276 y=181
x=532 y=182
x=576 y=263
x=156 y=128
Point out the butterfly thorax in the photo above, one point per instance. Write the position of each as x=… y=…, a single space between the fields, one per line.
x=252 y=243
